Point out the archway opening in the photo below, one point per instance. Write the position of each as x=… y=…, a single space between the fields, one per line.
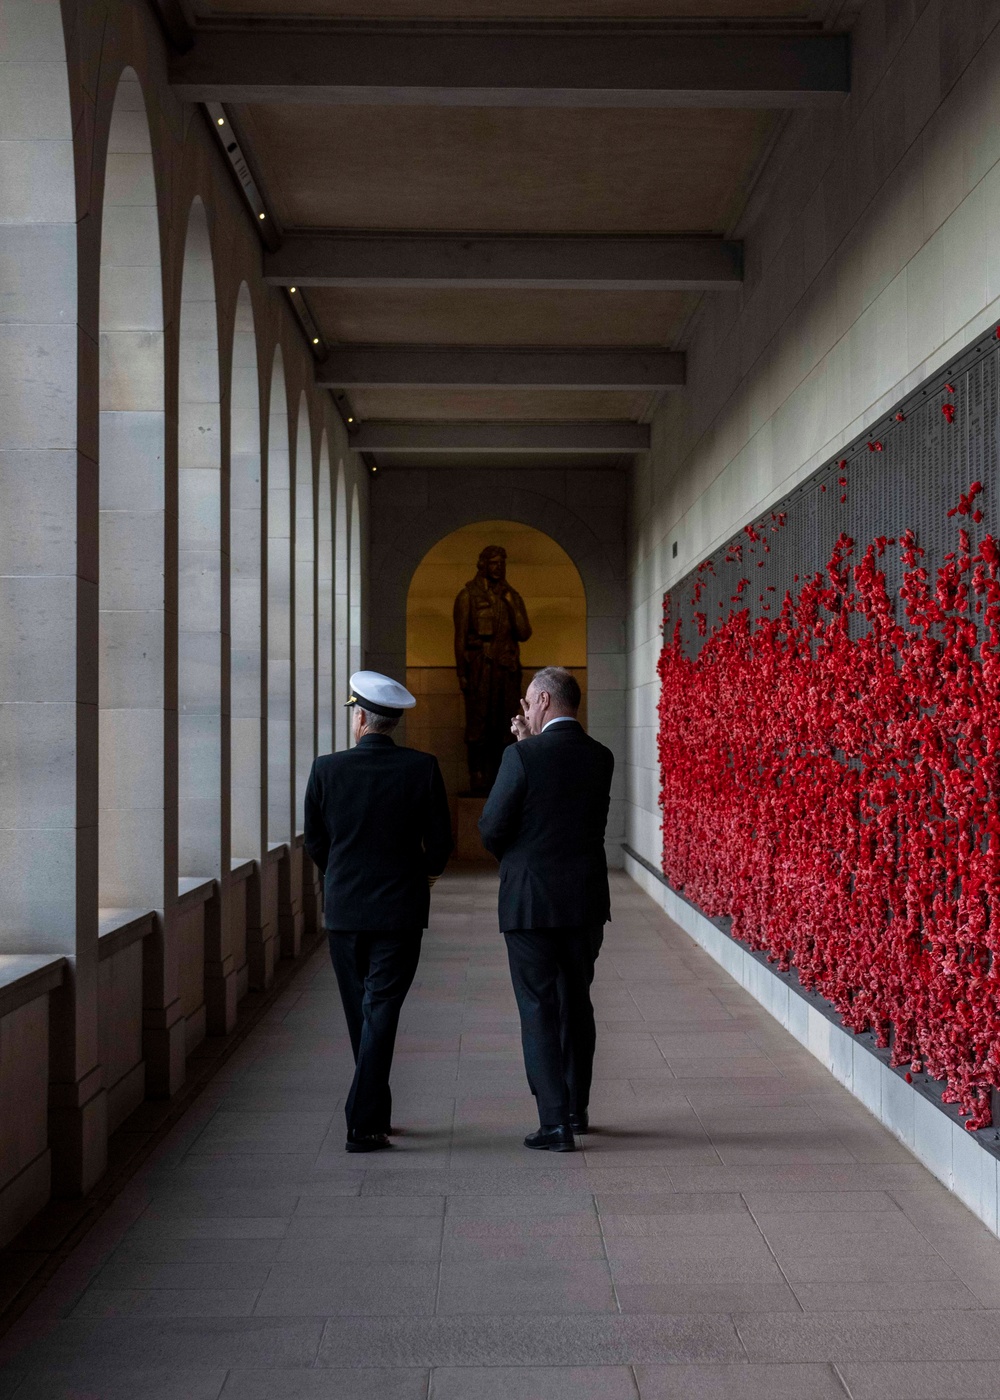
x=550 y=584
x=341 y=650
x=199 y=539
x=245 y=548
x=305 y=610
x=132 y=518
x=355 y=612
x=279 y=612
x=324 y=604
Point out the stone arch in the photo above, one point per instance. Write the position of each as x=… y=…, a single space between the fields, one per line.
x=324 y=604
x=246 y=587
x=199 y=550
x=549 y=582
x=132 y=518
x=279 y=610
x=305 y=609
x=341 y=613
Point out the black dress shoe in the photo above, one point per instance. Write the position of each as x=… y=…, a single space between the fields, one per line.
x=366 y=1142
x=559 y=1139
x=580 y=1122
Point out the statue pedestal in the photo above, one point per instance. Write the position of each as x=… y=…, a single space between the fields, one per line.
x=468 y=846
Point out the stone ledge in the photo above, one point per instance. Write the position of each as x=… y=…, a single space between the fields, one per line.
x=119 y=928
x=967 y=1163
x=194 y=889
x=241 y=869
x=26 y=976
x=276 y=852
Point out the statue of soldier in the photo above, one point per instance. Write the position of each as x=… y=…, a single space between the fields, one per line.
x=490 y=622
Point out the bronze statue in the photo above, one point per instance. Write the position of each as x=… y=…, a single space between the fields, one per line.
x=490 y=622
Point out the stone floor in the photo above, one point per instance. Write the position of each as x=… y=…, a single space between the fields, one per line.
x=737 y=1226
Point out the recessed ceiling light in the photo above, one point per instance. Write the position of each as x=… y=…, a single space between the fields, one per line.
x=315 y=339
x=262 y=216
x=221 y=121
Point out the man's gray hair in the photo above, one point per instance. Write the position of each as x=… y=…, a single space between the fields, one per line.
x=561 y=684
x=380 y=724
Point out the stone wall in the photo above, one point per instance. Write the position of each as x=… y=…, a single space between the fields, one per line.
x=151 y=389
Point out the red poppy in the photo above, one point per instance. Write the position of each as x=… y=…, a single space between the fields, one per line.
x=830 y=780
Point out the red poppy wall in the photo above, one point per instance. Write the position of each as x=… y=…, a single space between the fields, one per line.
x=829 y=740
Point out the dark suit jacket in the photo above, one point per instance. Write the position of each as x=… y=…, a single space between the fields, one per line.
x=377 y=823
x=545 y=820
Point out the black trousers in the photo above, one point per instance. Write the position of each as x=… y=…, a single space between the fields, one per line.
x=374 y=972
x=552 y=971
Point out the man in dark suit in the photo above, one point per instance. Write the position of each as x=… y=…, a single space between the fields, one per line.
x=545 y=820
x=377 y=824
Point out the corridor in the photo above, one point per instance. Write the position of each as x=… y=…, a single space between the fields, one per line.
x=736 y=1226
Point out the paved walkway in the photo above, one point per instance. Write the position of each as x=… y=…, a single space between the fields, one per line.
x=738 y=1226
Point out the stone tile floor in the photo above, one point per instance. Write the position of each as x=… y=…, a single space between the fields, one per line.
x=736 y=1226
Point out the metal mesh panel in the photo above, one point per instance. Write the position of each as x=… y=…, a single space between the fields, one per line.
x=924 y=465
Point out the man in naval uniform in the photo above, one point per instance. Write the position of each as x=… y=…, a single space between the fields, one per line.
x=377 y=824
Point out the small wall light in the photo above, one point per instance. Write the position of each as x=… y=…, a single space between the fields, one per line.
x=315 y=339
x=221 y=121
x=291 y=291
x=262 y=216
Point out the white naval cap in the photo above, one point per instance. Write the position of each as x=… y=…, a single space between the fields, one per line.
x=380 y=694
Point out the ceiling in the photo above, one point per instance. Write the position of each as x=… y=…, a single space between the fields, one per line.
x=816 y=10
x=429 y=168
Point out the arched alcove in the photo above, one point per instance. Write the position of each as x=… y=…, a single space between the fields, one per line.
x=324 y=604
x=199 y=593
x=132 y=520
x=246 y=581
x=279 y=611
x=413 y=510
x=550 y=584
x=305 y=610
x=341 y=617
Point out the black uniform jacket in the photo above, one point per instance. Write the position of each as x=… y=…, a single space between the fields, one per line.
x=377 y=823
x=545 y=820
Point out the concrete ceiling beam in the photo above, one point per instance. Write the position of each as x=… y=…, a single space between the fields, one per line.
x=463 y=367
x=509 y=65
x=536 y=439
x=435 y=261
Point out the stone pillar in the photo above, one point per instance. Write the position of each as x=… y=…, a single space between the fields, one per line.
x=290 y=900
